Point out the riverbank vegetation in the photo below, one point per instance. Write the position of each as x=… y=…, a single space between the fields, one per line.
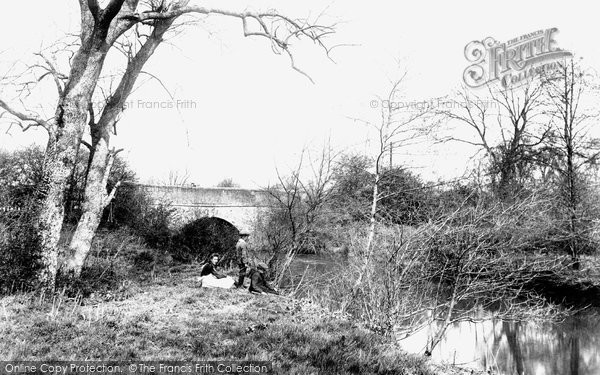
x=135 y=314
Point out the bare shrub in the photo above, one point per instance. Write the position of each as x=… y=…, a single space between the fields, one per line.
x=154 y=224
x=473 y=264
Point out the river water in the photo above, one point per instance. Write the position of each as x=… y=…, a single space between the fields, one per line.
x=571 y=347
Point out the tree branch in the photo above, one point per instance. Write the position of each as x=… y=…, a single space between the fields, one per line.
x=55 y=74
x=94 y=8
x=296 y=29
x=38 y=121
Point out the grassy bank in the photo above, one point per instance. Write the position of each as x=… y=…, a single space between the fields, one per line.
x=137 y=305
x=169 y=317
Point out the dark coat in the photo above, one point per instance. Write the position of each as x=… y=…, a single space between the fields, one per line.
x=208 y=269
x=258 y=283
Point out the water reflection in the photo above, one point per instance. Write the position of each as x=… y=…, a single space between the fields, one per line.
x=523 y=348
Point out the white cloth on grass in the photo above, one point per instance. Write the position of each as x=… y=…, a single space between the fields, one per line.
x=210 y=281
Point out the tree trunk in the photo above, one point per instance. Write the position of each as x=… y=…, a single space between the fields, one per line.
x=571 y=183
x=369 y=246
x=95 y=200
x=61 y=153
x=572 y=203
x=61 y=156
x=101 y=158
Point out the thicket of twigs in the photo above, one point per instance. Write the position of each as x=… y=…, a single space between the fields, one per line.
x=474 y=263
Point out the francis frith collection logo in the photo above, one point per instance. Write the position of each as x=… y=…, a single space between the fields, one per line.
x=513 y=62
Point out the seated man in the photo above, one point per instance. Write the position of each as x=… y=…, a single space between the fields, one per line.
x=211 y=278
x=258 y=281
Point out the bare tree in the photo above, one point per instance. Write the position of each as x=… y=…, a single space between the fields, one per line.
x=102 y=28
x=570 y=149
x=102 y=156
x=506 y=129
x=301 y=200
x=396 y=129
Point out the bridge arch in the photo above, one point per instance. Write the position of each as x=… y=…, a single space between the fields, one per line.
x=239 y=207
x=204 y=236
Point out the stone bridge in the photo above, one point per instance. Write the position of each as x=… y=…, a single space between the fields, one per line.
x=240 y=207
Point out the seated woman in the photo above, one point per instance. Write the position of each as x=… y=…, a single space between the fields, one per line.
x=211 y=278
x=258 y=281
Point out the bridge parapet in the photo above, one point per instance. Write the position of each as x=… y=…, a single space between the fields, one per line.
x=240 y=207
x=210 y=196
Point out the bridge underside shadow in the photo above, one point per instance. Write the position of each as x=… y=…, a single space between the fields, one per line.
x=200 y=238
x=242 y=218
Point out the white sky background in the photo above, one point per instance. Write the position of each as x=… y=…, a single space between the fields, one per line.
x=253 y=112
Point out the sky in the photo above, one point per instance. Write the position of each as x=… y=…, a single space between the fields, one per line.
x=226 y=106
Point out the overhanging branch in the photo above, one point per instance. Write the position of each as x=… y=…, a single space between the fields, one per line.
x=269 y=26
x=26 y=117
